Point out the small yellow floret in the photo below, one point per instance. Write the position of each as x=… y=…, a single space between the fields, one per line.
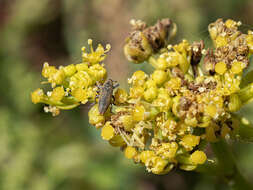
x=146 y=155
x=80 y=94
x=161 y=63
x=167 y=150
x=150 y=94
x=48 y=71
x=57 y=94
x=130 y=152
x=198 y=157
x=159 y=76
x=120 y=96
x=37 y=95
x=107 y=132
x=138 y=78
x=159 y=165
x=189 y=141
x=230 y=23
x=136 y=92
x=237 y=67
x=127 y=121
x=69 y=70
x=138 y=113
x=211 y=110
x=97 y=72
x=221 y=41
x=95 y=118
x=117 y=141
x=220 y=68
x=82 y=67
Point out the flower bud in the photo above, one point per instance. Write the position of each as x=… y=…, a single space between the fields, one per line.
x=130 y=152
x=107 y=132
x=57 y=94
x=137 y=48
x=95 y=118
x=198 y=157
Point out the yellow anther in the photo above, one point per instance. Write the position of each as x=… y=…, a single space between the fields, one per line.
x=220 y=68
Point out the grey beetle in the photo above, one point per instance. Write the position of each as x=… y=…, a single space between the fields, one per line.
x=106 y=95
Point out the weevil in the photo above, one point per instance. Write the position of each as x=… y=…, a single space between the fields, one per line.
x=106 y=95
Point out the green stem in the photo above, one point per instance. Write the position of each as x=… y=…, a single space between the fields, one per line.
x=246 y=94
x=244 y=133
x=227 y=167
x=243 y=129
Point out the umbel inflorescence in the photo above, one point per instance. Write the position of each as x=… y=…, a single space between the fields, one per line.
x=167 y=117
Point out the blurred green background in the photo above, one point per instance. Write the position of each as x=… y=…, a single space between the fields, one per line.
x=39 y=152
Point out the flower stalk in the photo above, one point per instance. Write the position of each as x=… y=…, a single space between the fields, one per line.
x=227 y=168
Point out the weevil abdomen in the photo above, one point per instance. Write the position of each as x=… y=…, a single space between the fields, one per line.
x=105 y=96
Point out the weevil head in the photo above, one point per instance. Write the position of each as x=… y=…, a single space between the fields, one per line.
x=108 y=84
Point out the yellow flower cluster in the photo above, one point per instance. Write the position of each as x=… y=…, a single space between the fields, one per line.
x=73 y=85
x=169 y=113
x=167 y=116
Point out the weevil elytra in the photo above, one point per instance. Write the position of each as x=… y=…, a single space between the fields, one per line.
x=106 y=95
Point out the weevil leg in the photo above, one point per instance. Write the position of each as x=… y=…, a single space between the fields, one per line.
x=96 y=97
x=99 y=85
x=116 y=85
x=113 y=99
